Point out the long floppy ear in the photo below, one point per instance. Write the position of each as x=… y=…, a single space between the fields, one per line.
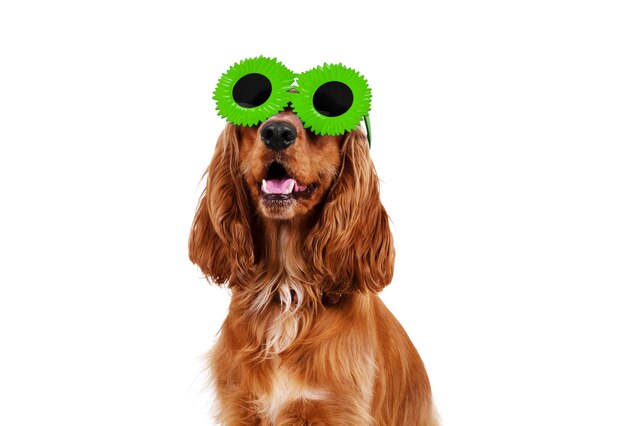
x=351 y=246
x=220 y=242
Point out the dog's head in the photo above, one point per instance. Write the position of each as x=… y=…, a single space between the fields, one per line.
x=324 y=186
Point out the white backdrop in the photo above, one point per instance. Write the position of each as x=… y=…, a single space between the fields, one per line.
x=499 y=134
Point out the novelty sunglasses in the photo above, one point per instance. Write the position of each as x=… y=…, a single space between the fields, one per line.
x=330 y=99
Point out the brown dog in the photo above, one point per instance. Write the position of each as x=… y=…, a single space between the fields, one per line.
x=292 y=222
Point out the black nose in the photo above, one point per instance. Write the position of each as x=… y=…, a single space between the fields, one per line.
x=278 y=135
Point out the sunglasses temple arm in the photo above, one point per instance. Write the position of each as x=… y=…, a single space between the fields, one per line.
x=368 y=127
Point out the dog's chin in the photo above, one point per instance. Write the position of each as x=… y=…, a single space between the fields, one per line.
x=278 y=209
x=286 y=206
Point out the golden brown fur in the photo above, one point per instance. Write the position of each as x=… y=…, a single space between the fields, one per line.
x=307 y=341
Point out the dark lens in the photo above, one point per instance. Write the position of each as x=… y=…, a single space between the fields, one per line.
x=332 y=99
x=252 y=90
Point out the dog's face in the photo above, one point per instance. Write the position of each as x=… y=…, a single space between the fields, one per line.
x=286 y=167
x=280 y=172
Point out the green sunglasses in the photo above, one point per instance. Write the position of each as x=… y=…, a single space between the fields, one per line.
x=330 y=99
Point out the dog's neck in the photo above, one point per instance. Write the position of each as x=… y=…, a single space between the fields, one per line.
x=282 y=296
x=283 y=266
x=283 y=247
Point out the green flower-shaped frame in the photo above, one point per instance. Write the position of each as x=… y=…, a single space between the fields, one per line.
x=281 y=78
x=310 y=81
x=283 y=91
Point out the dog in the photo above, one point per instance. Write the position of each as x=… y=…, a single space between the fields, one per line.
x=292 y=223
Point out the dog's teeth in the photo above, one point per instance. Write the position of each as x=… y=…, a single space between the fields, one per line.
x=264 y=186
x=289 y=188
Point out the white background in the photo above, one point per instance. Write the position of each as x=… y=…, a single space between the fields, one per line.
x=499 y=134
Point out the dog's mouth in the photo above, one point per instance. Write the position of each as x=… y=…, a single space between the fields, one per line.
x=279 y=185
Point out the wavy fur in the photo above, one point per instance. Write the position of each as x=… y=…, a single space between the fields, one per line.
x=307 y=341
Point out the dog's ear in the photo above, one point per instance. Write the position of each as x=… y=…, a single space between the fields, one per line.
x=351 y=246
x=220 y=242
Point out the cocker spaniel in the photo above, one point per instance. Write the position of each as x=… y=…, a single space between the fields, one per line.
x=292 y=223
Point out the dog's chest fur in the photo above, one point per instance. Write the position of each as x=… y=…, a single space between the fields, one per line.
x=283 y=328
x=286 y=297
x=285 y=390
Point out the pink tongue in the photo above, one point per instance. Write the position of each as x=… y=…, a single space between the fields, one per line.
x=278 y=186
